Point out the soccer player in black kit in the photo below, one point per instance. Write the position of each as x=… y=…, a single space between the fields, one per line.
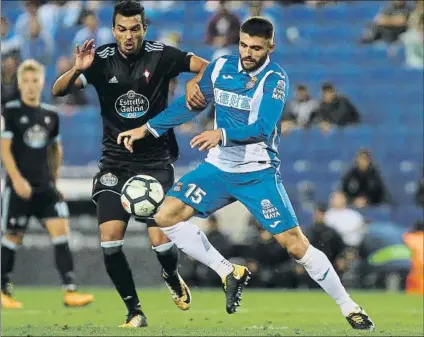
x=31 y=153
x=132 y=78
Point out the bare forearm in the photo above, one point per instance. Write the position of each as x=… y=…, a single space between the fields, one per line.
x=198 y=66
x=55 y=160
x=64 y=83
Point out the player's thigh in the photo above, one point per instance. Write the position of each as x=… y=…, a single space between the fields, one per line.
x=111 y=216
x=173 y=211
x=264 y=196
x=15 y=212
x=57 y=227
x=203 y=189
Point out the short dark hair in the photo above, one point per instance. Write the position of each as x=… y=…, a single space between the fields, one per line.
x=301 y=87
x=327 y=87
x=258 y=26
x=129 y=8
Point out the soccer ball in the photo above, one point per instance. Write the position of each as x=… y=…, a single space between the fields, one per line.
x=142 y=195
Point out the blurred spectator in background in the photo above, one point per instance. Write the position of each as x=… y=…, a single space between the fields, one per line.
x=414 y=45
x=256 y=8
x=414 y=239
x=9 y=82
x=320 y=3
x=415 y=17
x=328 y=241
x=91 y=30
x=36 y=44
x=335 y=110
x=363 y=184
x=299 y=112
x=9 y=42
x=389 y=24
x=348 y=222
x=75 y=96
x=224 y=27
x=266 y=260
x=419 y=196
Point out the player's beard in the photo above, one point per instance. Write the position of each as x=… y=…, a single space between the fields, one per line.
x=259 y=63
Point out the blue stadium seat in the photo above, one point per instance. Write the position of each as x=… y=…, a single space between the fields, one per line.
x=407 y=215
x=377 y=213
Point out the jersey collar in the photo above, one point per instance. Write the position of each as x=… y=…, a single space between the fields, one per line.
x=257 y=71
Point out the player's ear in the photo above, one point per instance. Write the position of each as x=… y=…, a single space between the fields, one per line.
x=271 y=47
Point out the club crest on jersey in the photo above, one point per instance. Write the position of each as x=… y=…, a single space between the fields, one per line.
x=131 y=105
x=36 y=137
x=146 y=74
x=250 y=84
x=109 y=179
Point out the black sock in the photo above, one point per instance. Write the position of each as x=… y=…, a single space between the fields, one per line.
x=168 y=258
x=120 y=273
x=7 y=263
x=64 y=264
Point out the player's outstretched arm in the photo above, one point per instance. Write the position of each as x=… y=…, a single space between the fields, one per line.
x=270 y=110
x=84 y=57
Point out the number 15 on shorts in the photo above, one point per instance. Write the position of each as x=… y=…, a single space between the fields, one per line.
x=195 y=193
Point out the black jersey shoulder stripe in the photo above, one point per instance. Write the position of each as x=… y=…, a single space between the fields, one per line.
x=13 y=104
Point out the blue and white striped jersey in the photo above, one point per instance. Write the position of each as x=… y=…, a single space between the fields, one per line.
x=248 y=108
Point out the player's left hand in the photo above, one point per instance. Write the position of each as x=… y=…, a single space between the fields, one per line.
x=206 y=140
x=194 y=97
x=130 y=136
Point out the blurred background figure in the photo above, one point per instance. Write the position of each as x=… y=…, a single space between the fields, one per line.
x=223 y=28
x=363 y=184
x=300 y=112
x=335 y=110
x=414 y=239
x=419 y=196
x=9 y=82
x=389 y=23
x=91 y=30
x=414 y=44
x=347 y=222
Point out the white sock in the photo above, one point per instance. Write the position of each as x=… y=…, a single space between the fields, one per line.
x=321 y=271
x=192 y=241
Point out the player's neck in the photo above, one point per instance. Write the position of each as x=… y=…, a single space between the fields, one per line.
x=129 y=57
x=32 y=103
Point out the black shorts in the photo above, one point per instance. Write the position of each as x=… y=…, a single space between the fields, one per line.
x=16 y=212
x=107 y=186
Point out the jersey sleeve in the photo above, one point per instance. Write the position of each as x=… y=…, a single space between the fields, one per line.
x=178 y=113
x=275 y=92
x=7 y=127
x=176 y=60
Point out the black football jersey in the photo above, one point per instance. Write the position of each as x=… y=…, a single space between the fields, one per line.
x=32 y=130
x=132 y=91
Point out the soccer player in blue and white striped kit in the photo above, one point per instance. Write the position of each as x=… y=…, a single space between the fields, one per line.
x=249 y=93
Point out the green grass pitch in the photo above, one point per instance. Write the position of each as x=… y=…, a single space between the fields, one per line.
x=263 y=313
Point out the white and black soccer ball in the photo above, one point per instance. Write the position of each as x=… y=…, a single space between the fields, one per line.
x=142 y=195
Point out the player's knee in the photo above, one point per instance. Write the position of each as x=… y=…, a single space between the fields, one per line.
x=294 y=241
x=14 y=238
x=172 y=212
x=112 y=231
x=57 y=227
x=157 y=237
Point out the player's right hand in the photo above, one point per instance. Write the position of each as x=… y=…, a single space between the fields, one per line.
x=84 y=55
x=22 y=188
x=130 y=136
